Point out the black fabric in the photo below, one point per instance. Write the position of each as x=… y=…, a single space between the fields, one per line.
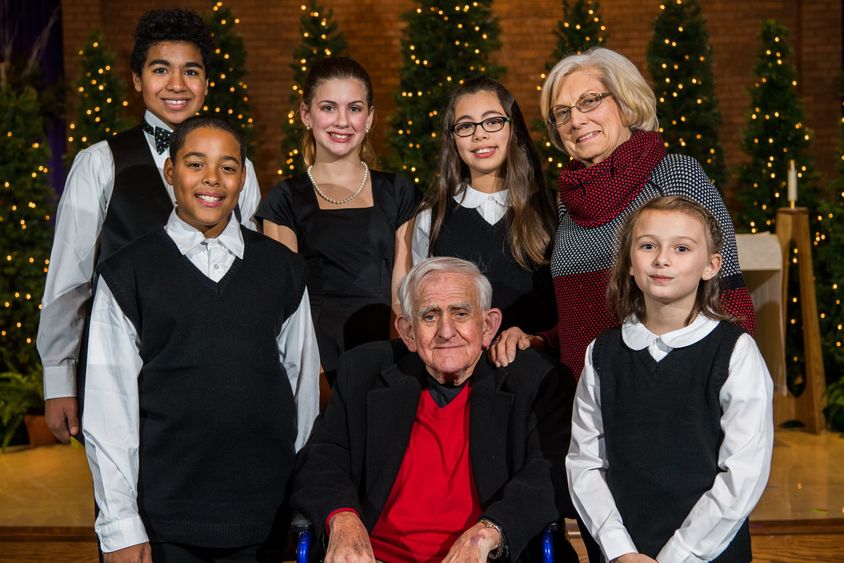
x=217 y=414
x=139 y=202
x=442 y=394
x=526 y=298
x=162 y=136
x=350 y=254
x=662 y=432
x=520 y=421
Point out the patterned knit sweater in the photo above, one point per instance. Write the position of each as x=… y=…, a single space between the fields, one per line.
x=583 y=257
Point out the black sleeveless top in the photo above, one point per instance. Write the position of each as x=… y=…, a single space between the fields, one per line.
x=217 y=413
x=525 y=297
x=662 y=432
x=349 y=254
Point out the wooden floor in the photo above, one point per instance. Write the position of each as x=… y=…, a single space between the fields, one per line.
x=46 y=506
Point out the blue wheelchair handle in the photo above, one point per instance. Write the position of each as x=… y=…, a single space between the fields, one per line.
x=304 y=546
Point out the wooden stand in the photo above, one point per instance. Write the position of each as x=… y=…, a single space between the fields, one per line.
x=793 y=225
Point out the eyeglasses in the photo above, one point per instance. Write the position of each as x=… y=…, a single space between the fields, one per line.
x=490 y=125
x=590 y=101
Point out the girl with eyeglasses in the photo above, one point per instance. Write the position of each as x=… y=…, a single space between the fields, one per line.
x=488 y=202
x=350 y=223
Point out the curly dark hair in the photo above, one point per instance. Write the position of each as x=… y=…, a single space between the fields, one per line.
x=169 y=25
x=180 y=134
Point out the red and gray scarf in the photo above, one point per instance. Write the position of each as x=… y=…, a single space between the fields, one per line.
x=597 y=194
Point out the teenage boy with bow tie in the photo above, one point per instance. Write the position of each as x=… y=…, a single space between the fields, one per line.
x=114 y=193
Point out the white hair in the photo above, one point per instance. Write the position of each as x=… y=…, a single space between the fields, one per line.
x=619 y=76
x=413 y=280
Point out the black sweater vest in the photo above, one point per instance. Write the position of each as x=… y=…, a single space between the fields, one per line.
x=139 y=202
x=217 y=414
x=525 y=297
x=662 y=433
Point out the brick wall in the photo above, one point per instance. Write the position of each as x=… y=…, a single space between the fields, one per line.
x=373 y=30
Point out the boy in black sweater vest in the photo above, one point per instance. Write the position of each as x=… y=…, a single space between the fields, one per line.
x=202 y=371
x=115 y=192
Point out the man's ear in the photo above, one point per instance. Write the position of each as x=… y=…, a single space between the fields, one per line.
x=168 y=171
x=492 y=322
x=405 y=329
x=137 y=82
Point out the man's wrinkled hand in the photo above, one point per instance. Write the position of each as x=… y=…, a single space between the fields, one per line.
x=473 y=545
x=348 y=540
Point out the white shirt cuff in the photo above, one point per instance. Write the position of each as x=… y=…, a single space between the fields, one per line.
x=616 y=543
x=121 y=533
x=59 y=381
x=673 y=552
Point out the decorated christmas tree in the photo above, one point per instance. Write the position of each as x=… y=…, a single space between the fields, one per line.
x=26 y=209
x=830 y=287
x=580 y=29
x=227 y=89
x=680 y=65
x=775 y=134
x=320 y=39
x=443 y=45
x=101 y=99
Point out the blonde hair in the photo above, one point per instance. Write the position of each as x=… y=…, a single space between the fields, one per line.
x=625 y=298
x=620 y=77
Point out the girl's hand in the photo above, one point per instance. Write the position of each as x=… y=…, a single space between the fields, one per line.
x=502 y=351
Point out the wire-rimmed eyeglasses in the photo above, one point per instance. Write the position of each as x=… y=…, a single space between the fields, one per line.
x=490 y=125
x=560 y=115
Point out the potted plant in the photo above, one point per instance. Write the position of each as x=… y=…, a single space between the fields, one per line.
x=21 y=397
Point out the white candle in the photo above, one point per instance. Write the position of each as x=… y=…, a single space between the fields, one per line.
x=792 y=183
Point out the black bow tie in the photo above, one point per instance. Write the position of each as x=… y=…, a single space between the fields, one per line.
x=162 y=136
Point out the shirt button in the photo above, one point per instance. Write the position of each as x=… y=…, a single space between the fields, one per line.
x=216 y=266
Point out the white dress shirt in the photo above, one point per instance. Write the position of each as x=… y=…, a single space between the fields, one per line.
x=79 y=219
x=744 y=456
x=111 y=417
x=492 y=208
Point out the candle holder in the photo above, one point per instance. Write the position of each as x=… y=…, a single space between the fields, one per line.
x=793 y=226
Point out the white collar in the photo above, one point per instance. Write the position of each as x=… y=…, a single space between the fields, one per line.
x=187 y=237
x=637 y=336
x=156 y=121
x=471 y=198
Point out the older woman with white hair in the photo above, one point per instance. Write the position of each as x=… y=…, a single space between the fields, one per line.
x=600 y=110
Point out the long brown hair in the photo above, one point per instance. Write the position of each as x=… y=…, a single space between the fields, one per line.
x=532 y=216
x=342 y=68
x=623 y=295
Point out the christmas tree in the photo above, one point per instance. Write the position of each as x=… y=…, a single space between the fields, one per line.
x=680 y=64
x=26 y=207
x=99 y=111
x=773 y=136
x=830 y=284
x=579 y=30
x=227 y=89
x=443 y=45
x=320 y=39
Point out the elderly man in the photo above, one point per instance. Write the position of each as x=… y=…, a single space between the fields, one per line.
x=437 y=455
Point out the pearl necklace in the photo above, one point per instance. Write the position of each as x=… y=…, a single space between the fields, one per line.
x=340 y=201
